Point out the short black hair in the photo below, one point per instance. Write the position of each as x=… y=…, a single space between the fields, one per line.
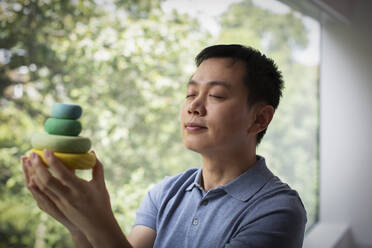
x=263 y=79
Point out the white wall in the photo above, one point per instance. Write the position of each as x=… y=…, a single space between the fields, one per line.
x=346 y=123
x=344 y=7
x=339 y=9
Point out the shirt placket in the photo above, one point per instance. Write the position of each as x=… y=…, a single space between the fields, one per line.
x=197 y=221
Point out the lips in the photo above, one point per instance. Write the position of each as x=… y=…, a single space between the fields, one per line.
x=193 y=126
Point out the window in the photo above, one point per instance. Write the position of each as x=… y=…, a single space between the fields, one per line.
x=127 y=63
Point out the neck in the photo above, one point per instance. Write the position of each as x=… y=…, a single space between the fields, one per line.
x=224 y=167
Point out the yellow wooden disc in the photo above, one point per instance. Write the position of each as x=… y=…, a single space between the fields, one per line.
x=79 y=161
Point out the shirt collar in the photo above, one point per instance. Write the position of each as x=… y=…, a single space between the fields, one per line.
x=196 y=181
x=244 y=186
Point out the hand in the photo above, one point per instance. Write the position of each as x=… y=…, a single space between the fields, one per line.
x=42 y=200
x=86 y=204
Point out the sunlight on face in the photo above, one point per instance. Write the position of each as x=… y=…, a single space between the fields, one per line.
x=216 y=101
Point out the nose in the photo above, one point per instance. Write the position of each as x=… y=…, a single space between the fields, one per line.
x=197 y=107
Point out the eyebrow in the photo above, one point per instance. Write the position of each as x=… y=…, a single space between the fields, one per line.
x=212 y=83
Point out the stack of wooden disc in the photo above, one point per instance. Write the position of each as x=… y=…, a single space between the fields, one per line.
x=62 y=137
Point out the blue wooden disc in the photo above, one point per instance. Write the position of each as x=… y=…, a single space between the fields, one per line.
x=66 y=111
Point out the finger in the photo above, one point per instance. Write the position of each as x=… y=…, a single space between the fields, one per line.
x=61 y=171
x=44 y=179
x=39 y=196
x=31 y=173
x=50 y=207
x=98 y=172
x=26 y=173
x=35 y=189
x=43 y=199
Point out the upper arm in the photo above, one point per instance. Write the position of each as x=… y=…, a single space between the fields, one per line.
x=142 y=237
x=143 y=233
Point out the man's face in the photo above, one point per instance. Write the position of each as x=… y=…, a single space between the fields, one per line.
x=216 y=101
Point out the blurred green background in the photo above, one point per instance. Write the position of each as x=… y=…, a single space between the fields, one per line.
x=126 y=62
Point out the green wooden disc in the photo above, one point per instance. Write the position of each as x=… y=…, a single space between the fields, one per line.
x=60 y=143
x=66 y=111
x=63 y=127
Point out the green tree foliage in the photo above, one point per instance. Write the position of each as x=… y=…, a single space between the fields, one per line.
x=126 y=62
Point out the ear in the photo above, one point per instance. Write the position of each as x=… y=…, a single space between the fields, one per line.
x=262 y=116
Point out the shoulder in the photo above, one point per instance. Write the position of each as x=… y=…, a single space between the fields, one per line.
x=279 y=194
x=277 y=202
x=271 y=195
x=276 y=216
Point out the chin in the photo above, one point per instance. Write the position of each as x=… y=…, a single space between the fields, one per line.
x=192 y=148
x=193 y=145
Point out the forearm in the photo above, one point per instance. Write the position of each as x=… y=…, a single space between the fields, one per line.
x=80 y=240
x=110 y=236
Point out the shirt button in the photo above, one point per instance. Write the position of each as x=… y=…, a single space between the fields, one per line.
x=195 y=221
x=204 y=202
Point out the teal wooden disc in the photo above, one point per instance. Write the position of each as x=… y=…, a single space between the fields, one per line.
x=62 y=127
x=59 y=143
x=66 y=111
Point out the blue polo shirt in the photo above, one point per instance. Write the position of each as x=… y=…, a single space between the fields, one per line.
x=255 y=210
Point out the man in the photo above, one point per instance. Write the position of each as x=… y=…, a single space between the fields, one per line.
x=232 y=201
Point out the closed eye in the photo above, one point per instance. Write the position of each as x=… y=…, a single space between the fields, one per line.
x=219 y=97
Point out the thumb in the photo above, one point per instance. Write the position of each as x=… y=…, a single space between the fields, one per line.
x=97 y=172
